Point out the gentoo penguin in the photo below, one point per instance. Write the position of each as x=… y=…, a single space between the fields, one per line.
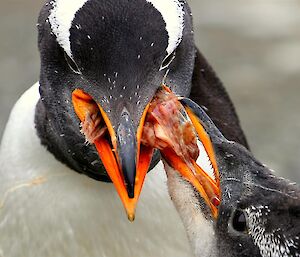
x=259 y=214
x=119 y=53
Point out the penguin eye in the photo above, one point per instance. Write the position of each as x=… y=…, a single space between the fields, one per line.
x=72 y=64
x=239 y=221
x=168 y=60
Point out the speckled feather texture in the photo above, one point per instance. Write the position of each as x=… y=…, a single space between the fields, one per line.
x=274 y=242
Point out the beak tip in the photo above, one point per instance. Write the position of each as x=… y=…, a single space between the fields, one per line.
x=131 y=217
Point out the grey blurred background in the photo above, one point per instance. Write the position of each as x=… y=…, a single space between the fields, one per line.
x=254 y=46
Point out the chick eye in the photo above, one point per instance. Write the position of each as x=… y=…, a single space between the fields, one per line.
x=72 y=64
x=167 y=61
x=239 y=221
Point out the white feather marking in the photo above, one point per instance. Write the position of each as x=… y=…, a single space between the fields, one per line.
x=270 y=244
x=173 y=15
x=61 y=18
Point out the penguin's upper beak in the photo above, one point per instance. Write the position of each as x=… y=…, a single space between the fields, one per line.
x=126 y=151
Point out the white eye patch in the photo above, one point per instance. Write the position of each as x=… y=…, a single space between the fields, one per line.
x=64 y=11
x=61 y=18
x=173 y=14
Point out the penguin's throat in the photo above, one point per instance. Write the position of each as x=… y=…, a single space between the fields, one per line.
x=92 y=123
x=93 y=127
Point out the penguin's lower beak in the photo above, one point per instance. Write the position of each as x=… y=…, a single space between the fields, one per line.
x=124 y=158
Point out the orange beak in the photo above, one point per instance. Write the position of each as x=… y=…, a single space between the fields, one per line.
x=156 y=130
x=207 y=186
x=179 y=133
x=100 y=132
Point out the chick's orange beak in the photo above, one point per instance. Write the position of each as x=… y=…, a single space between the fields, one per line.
x=177 y=132
x=126 y=172
x=208 y=186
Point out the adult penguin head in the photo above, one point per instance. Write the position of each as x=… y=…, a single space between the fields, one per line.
x=101 y=63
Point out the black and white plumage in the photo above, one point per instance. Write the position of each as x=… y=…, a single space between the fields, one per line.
x=259 y=213
x=119 y=52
